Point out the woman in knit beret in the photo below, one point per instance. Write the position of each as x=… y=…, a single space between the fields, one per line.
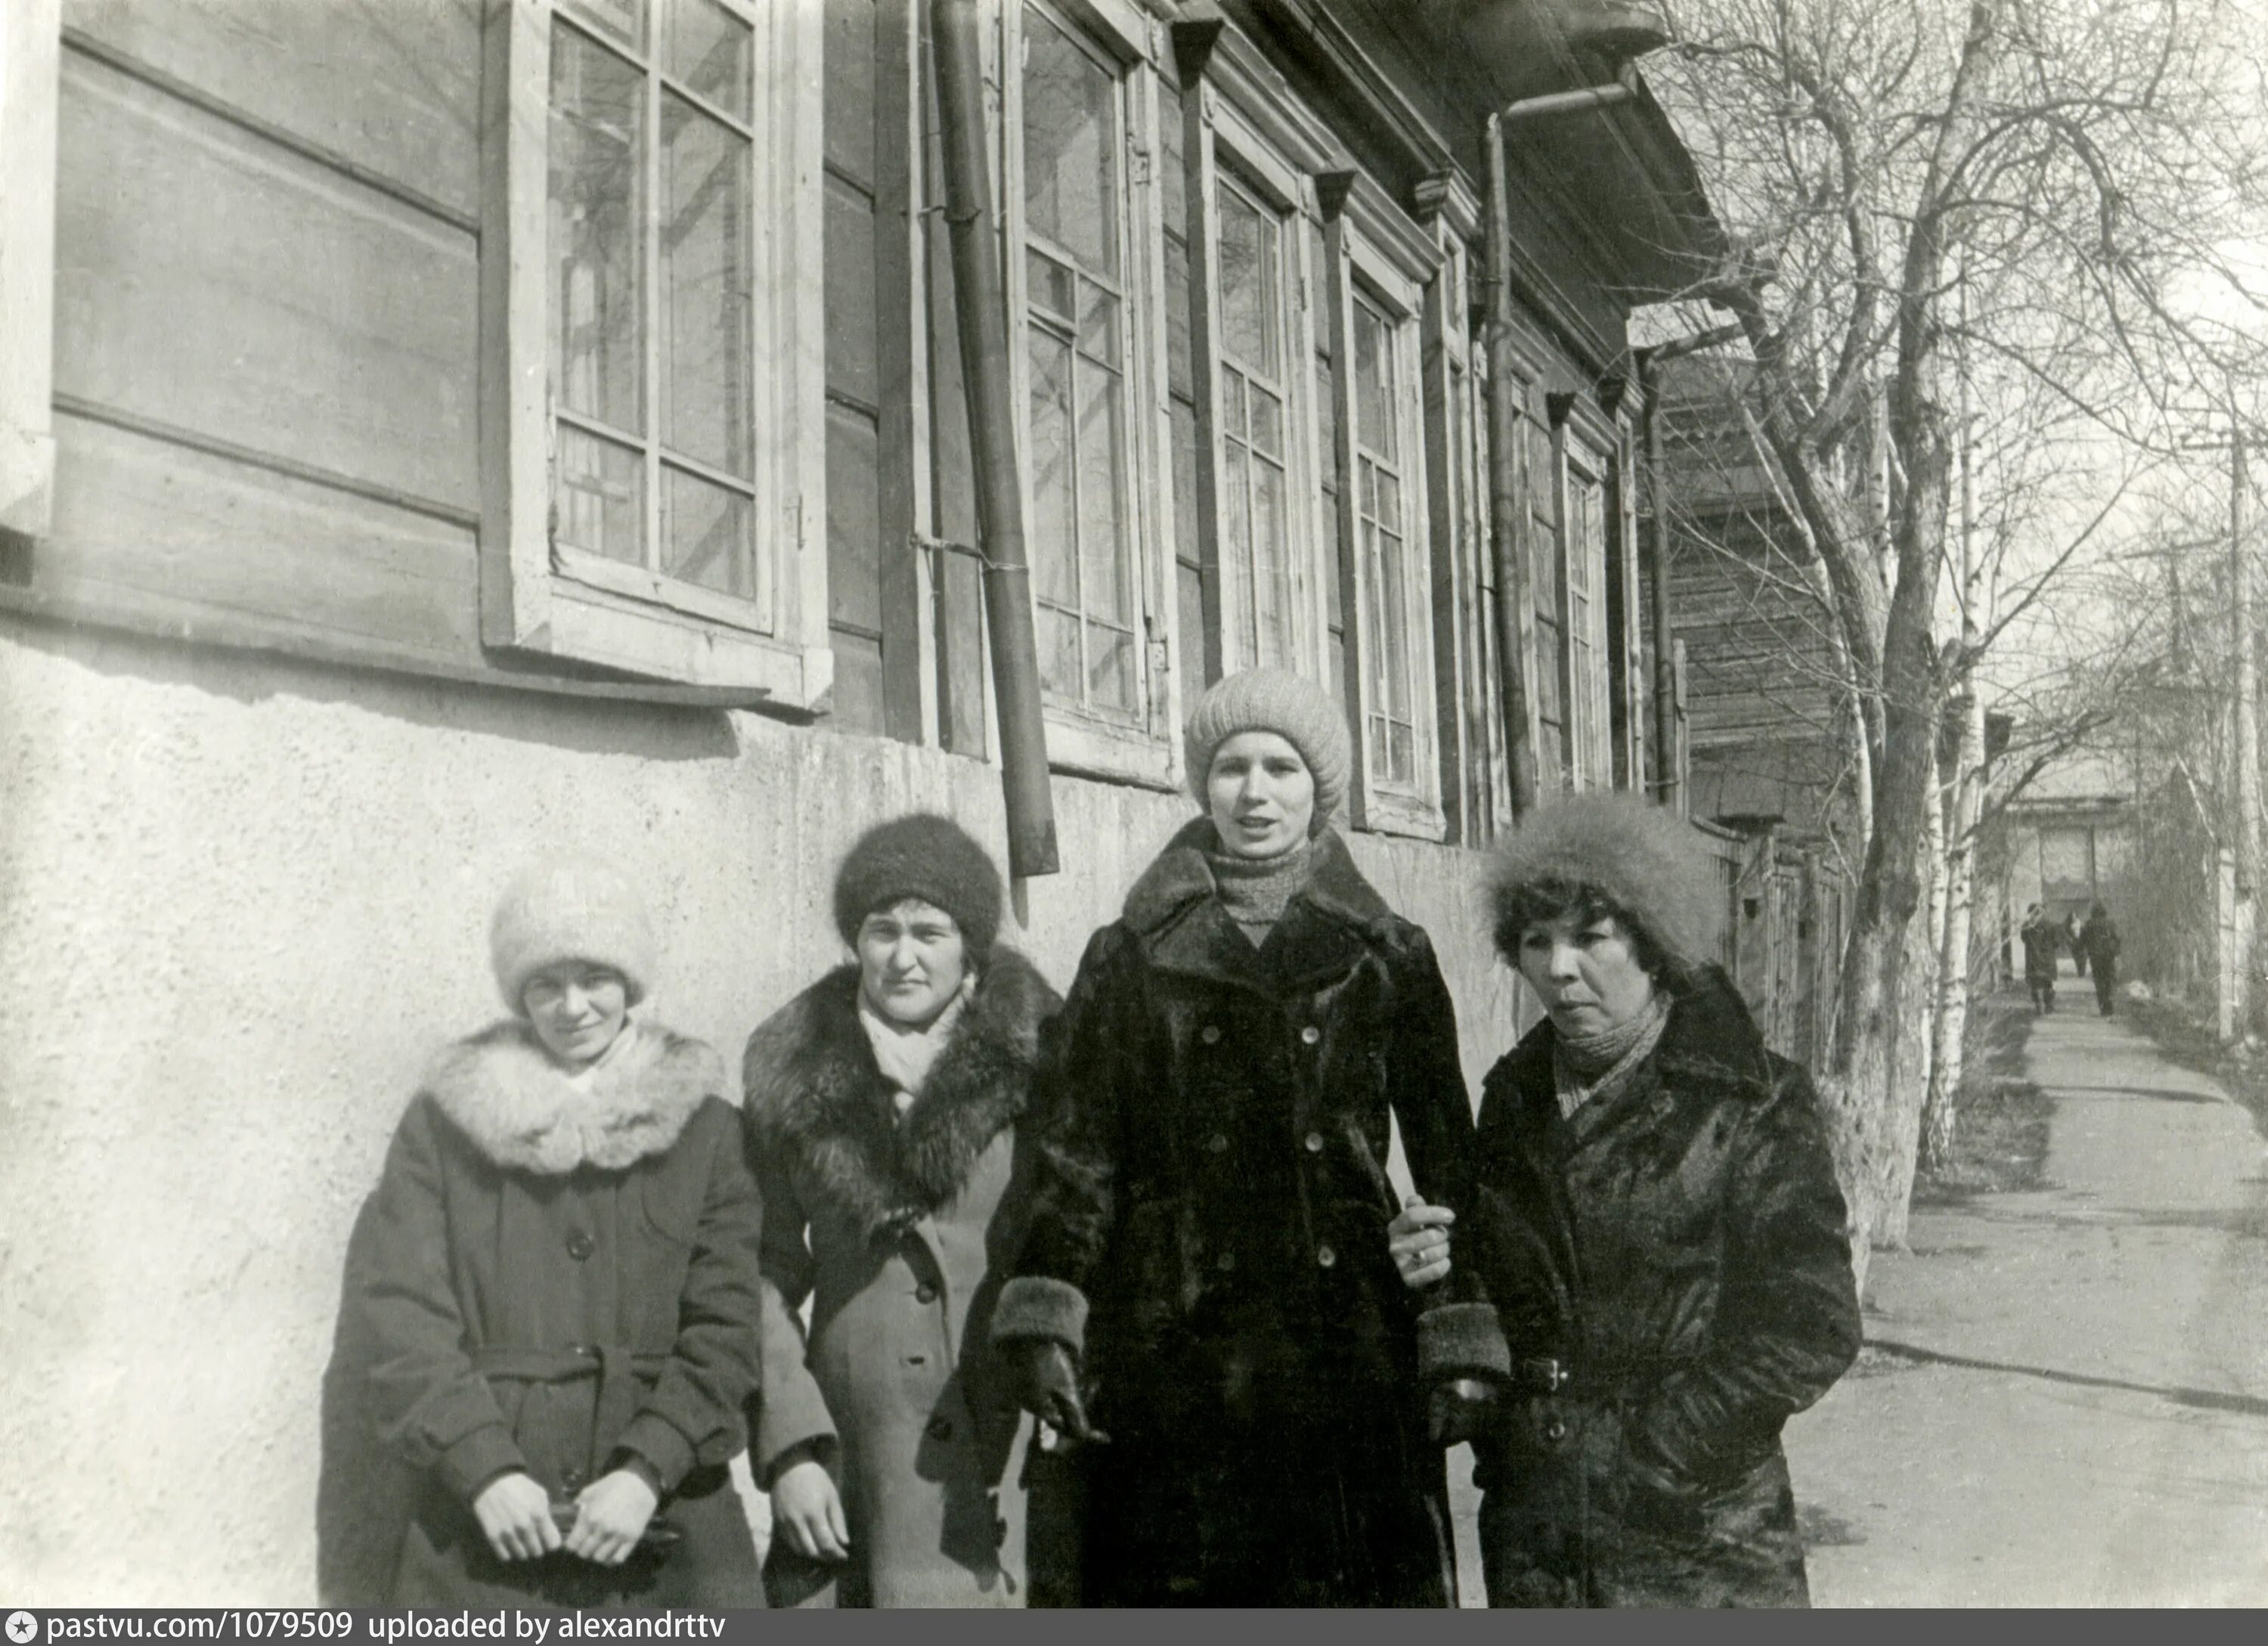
x=1206 y=1281
x=549 y=1332
x=1660 y=1228
x=887 y=1121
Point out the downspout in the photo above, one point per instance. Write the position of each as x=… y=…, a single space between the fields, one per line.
x=1668 y=791
x=981 y=309
x=1508 y=506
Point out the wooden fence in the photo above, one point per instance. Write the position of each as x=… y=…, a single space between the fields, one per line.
x=1785 y=915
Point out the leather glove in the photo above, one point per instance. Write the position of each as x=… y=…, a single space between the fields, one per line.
x=1462 y=1409
x=1044 y=1379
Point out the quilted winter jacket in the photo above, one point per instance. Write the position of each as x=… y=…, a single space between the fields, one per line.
x=1678 y=1251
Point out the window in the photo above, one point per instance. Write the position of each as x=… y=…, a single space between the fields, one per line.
x=1381 y=537
x=1077 y=338
x=651 y=269
x=1255 y=424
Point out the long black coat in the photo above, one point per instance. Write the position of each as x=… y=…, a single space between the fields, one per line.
x=1210 y=1231
x=1678 y=1248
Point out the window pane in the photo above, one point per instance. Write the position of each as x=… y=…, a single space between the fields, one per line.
x=1271 y=567
x=1401 y=753
x=707 y=535
x=1231 y=405
x=1070 y=148
x=705 y=289
x=1374 y=380
x=1054 y=540
x=1050 y=284
x=1110 y=667
x=1249 y=273
x=624 y=19
x=1268 y=423
x=595 y=213
x=1059 y=670
x=1236 y=522
x=600 y=497
x=1102 y=510
x=1098 y=322
x=1391 y=572
x=712 y=51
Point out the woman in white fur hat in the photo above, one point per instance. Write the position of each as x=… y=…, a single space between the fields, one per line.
x=549 y=1322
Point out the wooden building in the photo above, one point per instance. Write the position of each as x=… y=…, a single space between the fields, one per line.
x=437 y=431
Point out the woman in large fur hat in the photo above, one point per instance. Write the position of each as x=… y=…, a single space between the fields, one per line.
x=889 y=1121
x=1660 y=1230
x=549 y=1330
x=1206 y=1281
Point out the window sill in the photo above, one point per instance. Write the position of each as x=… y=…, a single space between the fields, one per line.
x=1082 y=748
x=1406 y=815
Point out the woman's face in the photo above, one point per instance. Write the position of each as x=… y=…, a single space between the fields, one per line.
x=577 y=1008
x=1586 y=973
x=1260 y=794
x=911 y=962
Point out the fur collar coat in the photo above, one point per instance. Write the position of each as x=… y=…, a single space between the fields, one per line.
x=524 y=1112
x=895 y=1228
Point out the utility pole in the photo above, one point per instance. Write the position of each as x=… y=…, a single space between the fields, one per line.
x=2246 y=720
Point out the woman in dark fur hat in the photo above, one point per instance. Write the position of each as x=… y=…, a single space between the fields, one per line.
x=1660 y=1228
x=887 y=1110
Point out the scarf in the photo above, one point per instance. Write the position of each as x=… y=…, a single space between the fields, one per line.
x=1585 y=1067
x=906 y=1054
x=1255 y=892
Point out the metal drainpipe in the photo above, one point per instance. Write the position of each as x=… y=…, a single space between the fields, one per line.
x=1510 y=507
x=1667 y=790
x=980 y=308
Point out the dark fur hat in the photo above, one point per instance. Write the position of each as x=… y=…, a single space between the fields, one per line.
x=924 y=856
x=1648 y=863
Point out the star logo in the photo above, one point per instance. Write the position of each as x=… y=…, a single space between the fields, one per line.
x=22 y=1626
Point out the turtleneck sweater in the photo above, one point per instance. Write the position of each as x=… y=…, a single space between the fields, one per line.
x=904 y=1052
x=1255 y=892
x=1587 y=1066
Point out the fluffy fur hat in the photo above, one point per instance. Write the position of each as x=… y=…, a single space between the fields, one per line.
x=570 y=908
x=1291 y=706
x=1648 y=863
x=922 y=856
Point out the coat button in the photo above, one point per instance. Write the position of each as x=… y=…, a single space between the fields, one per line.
x=571 y=1479
x=940 y=1428
x=1326 y=1256
x=1310 y=1035
x=924 y=1293
x=1218 y=1143
x=580 y=1245
x=1210 y=1034
x=584 y=1351
x=1315 y=1141
x=1555 y=1430
x=1225 y=1262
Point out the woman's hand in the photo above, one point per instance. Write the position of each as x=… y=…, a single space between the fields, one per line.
x=515 y=1517
x=610 y=1518
x=808 y=1511
x=1418 y=1238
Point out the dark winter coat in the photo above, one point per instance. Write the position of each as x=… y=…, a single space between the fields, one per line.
x=1211 y=1237
x=552 y=1278
x=898 y=1232
x=1678 y=1250
x=2040 y=937
x=2099 y=937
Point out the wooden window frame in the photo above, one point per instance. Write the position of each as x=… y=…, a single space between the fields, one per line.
x=1370 y=241
x=31 y=50
x=538 y=598
x=1584 y=442
x=1081 y=743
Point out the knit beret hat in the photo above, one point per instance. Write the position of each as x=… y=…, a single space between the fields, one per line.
x=1649 y=863
x=925 y=856
x=1291 y=706
x=572 y=908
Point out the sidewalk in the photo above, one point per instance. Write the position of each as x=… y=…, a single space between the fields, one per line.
x=2065 y=1398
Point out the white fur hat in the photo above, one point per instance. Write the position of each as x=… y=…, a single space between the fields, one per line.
x=572 y=908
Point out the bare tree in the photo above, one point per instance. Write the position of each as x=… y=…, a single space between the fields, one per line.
x=2085 y=165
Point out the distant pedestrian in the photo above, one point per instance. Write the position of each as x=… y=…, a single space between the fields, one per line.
x=2071 y=941
x=2099 y=940
x=2039 y=934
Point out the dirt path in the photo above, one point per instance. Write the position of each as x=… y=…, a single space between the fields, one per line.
x=2065 y=1400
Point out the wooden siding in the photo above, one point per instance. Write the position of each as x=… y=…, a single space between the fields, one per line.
x=266 y=327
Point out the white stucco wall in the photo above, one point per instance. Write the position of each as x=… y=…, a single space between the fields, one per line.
x=243 y=901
